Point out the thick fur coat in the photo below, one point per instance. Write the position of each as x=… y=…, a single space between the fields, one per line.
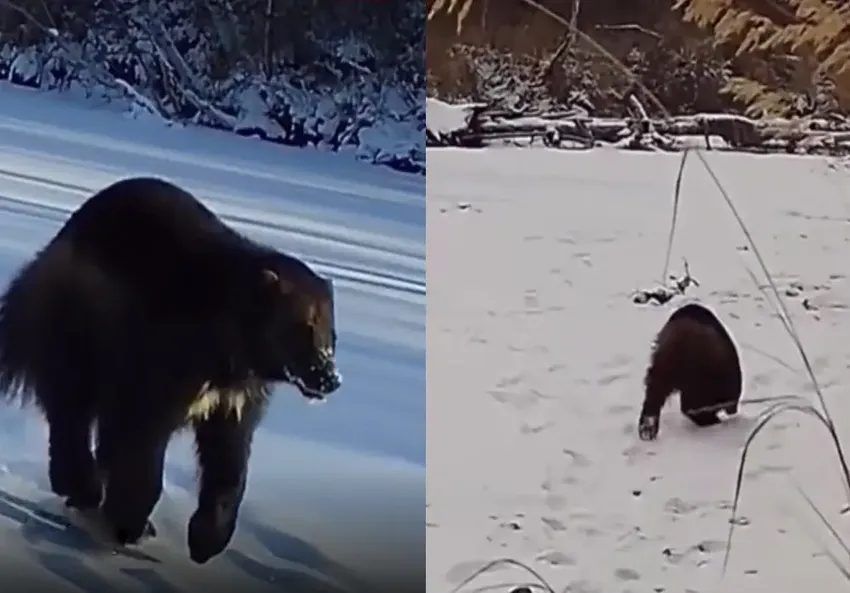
x=694 y=355
x=146 y=314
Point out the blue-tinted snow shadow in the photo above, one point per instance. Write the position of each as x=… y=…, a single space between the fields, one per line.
x=315 y=519
x=64 y=550
x=353 y=520
x=380 y=408
x=316 y=574
x=59 y=547
x=42 y=522
x=47 y=124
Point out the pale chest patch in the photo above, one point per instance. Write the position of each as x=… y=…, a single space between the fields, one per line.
x=210 y=400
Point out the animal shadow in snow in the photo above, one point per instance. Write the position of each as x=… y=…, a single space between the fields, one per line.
x=731 y=433
x=309 y=570
x=735 y=429
x=41 y=525
x=44 y=523
x=303 y=568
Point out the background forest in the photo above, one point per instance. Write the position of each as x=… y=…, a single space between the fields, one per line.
x=759 y=57
x=302 y=72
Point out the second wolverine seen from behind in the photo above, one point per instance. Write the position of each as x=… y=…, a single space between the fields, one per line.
x=146 y=314
x=694 y=355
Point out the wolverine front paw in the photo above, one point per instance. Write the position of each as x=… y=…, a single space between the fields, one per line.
x=648 y=428
x=209 y=534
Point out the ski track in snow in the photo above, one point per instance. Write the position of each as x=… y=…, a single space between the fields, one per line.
x=536 y=356
x=336 y=492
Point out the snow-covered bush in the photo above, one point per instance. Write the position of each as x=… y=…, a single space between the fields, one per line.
x=333 y=77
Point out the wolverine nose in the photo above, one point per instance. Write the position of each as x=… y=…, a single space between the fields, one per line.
x=331 y=381
x=334 y=382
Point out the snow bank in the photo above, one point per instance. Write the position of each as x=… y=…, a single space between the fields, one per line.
x=381 y=122
x=445 y=120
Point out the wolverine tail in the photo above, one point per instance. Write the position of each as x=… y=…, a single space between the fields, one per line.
x=19 y=335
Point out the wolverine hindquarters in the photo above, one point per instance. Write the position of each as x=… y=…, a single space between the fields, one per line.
x=694 y=355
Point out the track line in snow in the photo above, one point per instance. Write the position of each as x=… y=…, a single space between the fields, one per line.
x=94 y=139
x=38 y=206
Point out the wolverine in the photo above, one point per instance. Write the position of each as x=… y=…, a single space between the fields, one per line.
x=147 y=314
x=694 y=355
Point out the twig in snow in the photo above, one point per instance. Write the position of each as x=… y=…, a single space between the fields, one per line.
x=661 y=295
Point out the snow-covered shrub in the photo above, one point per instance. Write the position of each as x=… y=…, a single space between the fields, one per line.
x=333 y=77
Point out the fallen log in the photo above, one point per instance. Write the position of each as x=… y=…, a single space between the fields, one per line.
x=576 y=129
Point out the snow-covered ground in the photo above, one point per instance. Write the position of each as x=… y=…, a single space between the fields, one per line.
x=335 y=499
x=536 y=356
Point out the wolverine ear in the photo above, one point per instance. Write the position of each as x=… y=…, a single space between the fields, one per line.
x=272 y=278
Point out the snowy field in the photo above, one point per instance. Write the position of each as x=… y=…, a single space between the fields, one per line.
x=335 y=497
x=536 y=356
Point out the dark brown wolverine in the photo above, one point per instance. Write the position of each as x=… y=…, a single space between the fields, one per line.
x=694 y=355
x=146 y=314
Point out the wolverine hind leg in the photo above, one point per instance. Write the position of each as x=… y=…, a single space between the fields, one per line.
x=70 y=413
x=62 y=368
x=71 y=466
x=703 y=419
x=131 y=452
x=693 y=403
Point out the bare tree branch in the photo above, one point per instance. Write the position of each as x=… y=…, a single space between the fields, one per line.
x=629 y=27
